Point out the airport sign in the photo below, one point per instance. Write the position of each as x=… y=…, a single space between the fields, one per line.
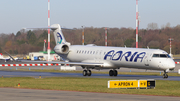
x=131 y=83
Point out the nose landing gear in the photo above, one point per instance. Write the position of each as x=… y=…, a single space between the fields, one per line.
x=165 y=75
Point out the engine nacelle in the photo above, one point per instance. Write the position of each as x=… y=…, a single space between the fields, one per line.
x=61 y=48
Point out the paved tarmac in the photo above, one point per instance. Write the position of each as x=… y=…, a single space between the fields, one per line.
x=52 y=74
x=14 y=94
x=17 y=73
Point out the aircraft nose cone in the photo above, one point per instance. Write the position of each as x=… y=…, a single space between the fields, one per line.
x=171 y=65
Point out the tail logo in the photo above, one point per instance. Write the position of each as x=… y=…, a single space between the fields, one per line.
x=59 y=38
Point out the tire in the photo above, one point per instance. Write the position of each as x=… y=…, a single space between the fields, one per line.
x=165 y=76
x=84 y=72
x=115 y=73
x=111 y=73
x=89 y=72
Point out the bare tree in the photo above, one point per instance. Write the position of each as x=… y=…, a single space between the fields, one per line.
x=152 y=26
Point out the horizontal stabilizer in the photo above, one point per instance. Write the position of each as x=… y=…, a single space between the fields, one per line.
x=52 y=28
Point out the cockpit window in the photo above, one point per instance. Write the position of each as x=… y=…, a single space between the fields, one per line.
x=161 y=55
x=155 y=55
x=168 y=56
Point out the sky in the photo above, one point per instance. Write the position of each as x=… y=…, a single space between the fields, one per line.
x=17 y=14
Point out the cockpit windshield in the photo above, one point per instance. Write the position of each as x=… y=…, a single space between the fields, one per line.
x=161 y=56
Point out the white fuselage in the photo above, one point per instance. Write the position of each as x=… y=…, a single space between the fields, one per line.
x=116 y=57
x=4 y=58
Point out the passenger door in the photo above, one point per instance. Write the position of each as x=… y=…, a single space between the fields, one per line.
x=146 y=60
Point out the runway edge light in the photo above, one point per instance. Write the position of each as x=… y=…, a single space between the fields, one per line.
x=149 y=83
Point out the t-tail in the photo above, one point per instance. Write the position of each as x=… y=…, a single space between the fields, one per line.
x=57 y=31
x=62 y=47
x=58 y=35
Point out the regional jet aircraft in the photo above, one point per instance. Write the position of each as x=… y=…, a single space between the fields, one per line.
x=8 y=58
x=105 y=57
x=3 y=58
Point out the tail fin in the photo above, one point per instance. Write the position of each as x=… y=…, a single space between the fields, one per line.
x=58 y=35
x=1 y=54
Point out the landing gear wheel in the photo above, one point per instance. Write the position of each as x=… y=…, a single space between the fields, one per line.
x=115 y=73
x=165 y=75
x=89 y=72
x=111 y=73
x=84 y=72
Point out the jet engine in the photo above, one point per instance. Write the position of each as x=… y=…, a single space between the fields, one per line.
x=61 y=48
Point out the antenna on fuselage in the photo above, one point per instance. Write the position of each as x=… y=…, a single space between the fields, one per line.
x=147 y=47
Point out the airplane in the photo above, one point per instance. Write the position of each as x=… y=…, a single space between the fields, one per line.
x=106 y=57
x=2 y=57
x=8 y=58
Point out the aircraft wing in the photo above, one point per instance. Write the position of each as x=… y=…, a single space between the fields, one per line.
x=10 y=56
x=63 y=63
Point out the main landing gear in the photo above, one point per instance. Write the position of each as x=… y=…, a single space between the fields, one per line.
x=86 y=72
x=165 y=75
x=113 y=73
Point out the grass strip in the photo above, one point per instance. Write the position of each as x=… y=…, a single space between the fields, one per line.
x=163 y=87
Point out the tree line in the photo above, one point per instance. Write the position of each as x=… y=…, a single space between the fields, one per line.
x=24 y=42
